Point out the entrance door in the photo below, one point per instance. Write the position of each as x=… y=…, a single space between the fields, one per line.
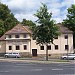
x=34 y=52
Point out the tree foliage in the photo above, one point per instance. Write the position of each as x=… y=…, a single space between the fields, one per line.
x=7 y=19
x=28 y=23
x=70 y=20
x=47 y=30
x=1 y=27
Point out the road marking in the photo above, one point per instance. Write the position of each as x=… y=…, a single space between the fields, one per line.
x=25 y=64
x=4 y=71
x=56 y=69
x=36 y=70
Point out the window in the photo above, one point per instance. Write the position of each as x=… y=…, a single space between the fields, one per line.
x=49 y=47
x=16 y=36
x=10 y=47
x=25 y=47
x=66 y=47
x=17 y=47
x=24 y=35
x=66 y=36
x=41 y=47
x=9 y=36
x=56 y=47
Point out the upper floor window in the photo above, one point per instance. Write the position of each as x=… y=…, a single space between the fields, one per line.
x=16 y=36
x=24 y=35
x=56 y=47
x=41 y=47
x=9 y=36
x=49 y=47
x=66 y=36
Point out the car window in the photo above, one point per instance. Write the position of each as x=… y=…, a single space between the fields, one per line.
x=15 y=53
x=7 y=53
x=10 y=53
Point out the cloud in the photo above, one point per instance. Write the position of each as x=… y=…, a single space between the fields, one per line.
x=26 y=8
x=25 y=16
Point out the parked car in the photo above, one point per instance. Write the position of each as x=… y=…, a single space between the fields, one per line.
x=68 y=56
x=14 y=54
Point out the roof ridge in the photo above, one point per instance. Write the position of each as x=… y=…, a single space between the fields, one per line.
x=26 y=29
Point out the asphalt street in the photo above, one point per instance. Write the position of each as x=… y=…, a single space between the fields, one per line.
x=22 y=68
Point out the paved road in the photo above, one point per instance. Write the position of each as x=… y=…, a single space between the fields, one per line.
x=20 y=68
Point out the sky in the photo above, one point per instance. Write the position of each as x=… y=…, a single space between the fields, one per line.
x=25 y=9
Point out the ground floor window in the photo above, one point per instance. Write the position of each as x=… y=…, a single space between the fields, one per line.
x=25 y=47
x=56 y=47
x=66 y=47
x=17 y=47
x=41 y=47
x=10 y=47
x=49 y=47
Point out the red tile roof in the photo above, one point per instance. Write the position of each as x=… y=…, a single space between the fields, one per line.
x=19 y=29
x=64 y=29
x=2 y=38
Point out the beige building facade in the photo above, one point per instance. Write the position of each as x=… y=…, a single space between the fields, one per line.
x=19 y=39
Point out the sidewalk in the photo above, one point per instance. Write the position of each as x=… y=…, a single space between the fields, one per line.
x=33 y=60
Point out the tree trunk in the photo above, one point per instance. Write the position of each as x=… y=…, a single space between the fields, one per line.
x=46 y=54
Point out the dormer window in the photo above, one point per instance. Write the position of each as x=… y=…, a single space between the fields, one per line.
x=9 y=36
x=16 y=36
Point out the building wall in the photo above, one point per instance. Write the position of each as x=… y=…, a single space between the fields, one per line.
x=61 y=42
x=21 y=41
x=31 y=44
x=2 y=48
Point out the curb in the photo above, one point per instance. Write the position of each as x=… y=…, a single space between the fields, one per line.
x=30 y=61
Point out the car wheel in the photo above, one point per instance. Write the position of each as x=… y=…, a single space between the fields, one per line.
x=6 y=56
x=64 y=58
x=74 y=58
x=16 y=56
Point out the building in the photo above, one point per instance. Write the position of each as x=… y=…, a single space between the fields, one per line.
x=19 y=39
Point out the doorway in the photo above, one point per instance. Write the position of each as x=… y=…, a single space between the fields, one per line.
x=34 y=52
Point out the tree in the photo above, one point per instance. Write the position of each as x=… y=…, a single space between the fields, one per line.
x=47 y=30
x=7 y=19
x=70 y=20
x=28 y=23
x=1 y=28
x=4 y=11
x=10 y=22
